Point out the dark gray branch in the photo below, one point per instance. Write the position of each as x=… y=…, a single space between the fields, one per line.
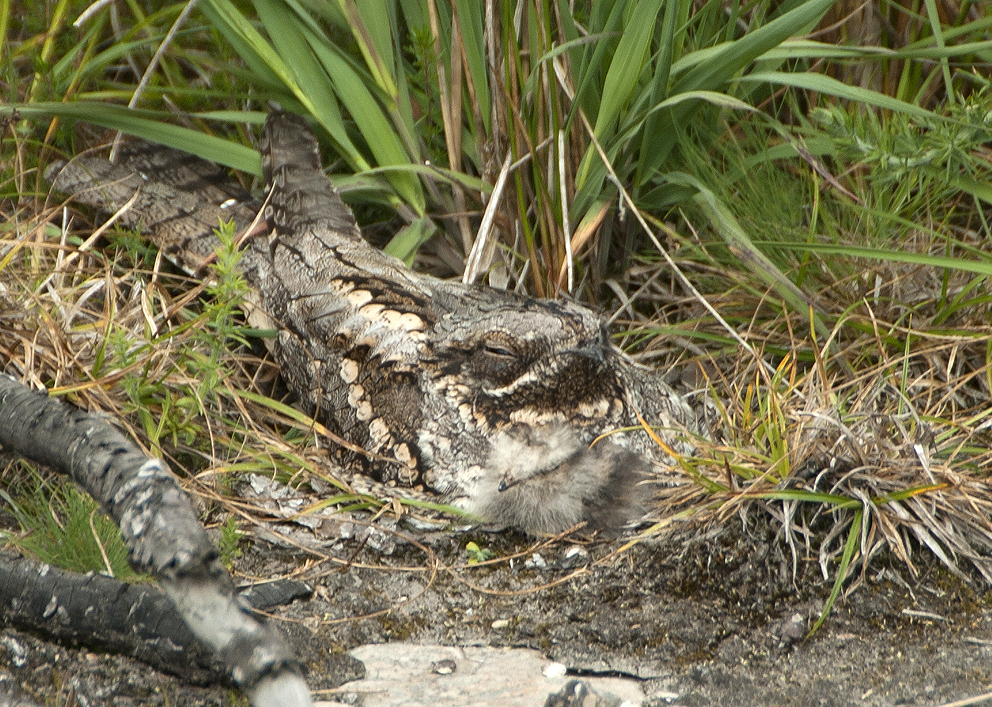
x=161 y=531
x=99 y=612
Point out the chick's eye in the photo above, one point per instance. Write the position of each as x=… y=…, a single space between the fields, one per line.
x=498 y=351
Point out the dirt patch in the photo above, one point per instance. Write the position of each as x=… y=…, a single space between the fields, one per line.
x=702 y=617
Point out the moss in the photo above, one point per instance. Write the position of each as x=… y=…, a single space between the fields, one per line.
x=400 y=628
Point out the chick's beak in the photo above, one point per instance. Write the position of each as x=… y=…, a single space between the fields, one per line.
x=505 y=485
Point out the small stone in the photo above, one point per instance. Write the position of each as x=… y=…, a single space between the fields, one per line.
x=444 y=667
x=793 y=630
x=536 y=562
x=574 y=556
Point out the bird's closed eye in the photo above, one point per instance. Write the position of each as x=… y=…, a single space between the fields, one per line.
x=498 y=351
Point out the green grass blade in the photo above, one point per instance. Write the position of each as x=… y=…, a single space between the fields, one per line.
x=835 y=501
x=853 y=538
x=149 y=125
x=299 y=68
x=715 y=66
x=897 y=256
x=380 y=39
x=371 y=25
x=628 y=62
x=622 y=77
x=473 y=42
x=671 y=46
x=591 y=59
x=753 y=259
x=833 y=87
x=250 y=45
x=404 y=244
x=809 y=49
x=720 y=63
x=979 y=190
x=375 y=127
x=938 y=37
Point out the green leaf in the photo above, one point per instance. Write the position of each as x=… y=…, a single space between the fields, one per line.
x=473 y=43
x=404 y=244
x=250 y=45
x=627 y=65
x=299 y=67
x=149 y=125
x=853 y=537
x=623 y=75
x=832 y=87
x=370 y=22
x=898 y=256
x=375 y=127
x=711 y=68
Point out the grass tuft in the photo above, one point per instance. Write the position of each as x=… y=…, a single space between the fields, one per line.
x=64 y=527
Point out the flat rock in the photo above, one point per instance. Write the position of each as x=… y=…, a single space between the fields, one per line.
x=413 y=675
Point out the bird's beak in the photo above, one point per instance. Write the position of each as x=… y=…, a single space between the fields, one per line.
x=593 y=351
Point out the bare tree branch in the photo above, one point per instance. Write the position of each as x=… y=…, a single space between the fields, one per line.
x=161 y=531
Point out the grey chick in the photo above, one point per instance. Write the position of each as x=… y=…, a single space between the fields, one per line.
x=545 y=479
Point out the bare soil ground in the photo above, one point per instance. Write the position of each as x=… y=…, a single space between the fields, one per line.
x=699 y=617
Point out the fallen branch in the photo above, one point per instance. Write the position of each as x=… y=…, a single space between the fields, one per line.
x=161 y=531
x=99 y=612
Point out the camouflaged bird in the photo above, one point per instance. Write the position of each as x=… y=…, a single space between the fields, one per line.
x=485 y=397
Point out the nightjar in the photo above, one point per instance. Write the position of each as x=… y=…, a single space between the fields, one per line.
x=486 y=398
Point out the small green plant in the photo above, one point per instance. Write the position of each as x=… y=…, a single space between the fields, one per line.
x=171 y=402
x=914 y=163
x=62 y=526
x=477 y=554
x=218 y=327
x=230 y=542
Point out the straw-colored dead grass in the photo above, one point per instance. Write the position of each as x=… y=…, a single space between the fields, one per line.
x=891 y=452
x=815 y=453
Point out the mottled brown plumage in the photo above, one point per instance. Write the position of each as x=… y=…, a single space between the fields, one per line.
x=484 y=397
